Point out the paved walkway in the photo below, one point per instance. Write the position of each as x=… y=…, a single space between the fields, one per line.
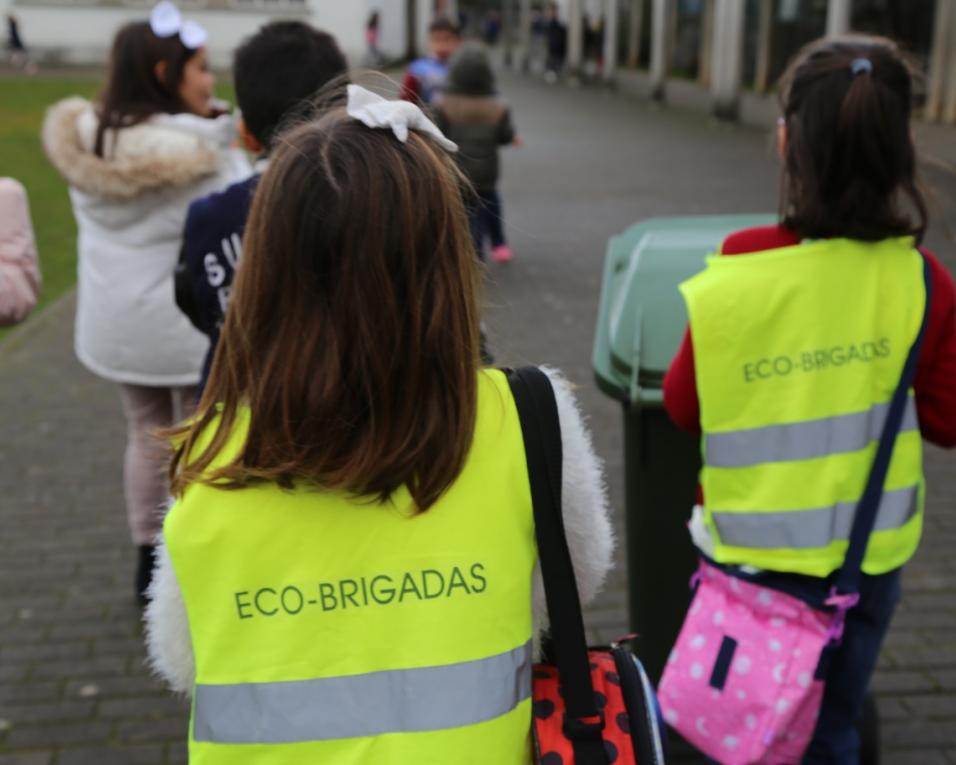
x=73 y=687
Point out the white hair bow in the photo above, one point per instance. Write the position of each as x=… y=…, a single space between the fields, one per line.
x=165 y=20
x=398 y=116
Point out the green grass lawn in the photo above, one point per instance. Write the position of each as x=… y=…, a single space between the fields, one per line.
x=23 y=102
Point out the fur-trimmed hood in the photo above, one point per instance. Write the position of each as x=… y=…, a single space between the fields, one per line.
x=167 y=151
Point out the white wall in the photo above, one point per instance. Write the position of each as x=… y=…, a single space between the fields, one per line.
x=83 y=34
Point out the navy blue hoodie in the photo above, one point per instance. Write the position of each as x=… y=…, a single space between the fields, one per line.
x=212 y=246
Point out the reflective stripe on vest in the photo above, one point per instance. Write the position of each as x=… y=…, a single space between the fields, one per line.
x=394 y=701
x=803 y=440
x=804 y=529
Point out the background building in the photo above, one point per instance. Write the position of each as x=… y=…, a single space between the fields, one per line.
x=80 y=31
x=734 y=45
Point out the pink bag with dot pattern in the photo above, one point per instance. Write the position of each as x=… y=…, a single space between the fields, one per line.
x=741 y=684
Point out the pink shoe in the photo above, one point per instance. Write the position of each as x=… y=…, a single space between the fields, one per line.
x=502 y=253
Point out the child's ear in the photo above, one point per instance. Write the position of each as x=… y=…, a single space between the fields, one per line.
x=782 y=138
x=249 y=140
x=159 y=72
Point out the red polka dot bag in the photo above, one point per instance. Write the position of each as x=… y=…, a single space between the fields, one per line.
x=590 y=706
x=745 y=681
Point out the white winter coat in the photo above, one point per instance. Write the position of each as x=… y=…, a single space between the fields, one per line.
x=130 y=209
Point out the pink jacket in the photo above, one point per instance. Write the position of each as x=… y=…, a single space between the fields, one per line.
x=19 y=269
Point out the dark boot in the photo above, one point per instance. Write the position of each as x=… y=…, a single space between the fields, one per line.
x=144 y=572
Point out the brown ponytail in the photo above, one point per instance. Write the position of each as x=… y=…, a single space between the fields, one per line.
x=850 y=163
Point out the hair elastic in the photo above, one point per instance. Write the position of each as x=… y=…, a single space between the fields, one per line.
x=861 y=66
x=398 y=116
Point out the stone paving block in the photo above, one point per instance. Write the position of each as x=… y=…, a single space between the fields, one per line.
x=166 y=705
x=27 y=758
x=104 y=666
x=61 y=734
x=112 y=687
x=134 y=755
x=142 y=731
x=901 y=682
x=19 y=714
x=918 y=734
x=921 y=757
x=34 y=651
x=26 y=693
x=933 y=706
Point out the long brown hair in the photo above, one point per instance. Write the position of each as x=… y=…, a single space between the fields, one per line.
x=133 y=92
x=850 y=165
x=352 y=334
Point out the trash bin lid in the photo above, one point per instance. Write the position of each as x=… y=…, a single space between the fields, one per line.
x=642 y=317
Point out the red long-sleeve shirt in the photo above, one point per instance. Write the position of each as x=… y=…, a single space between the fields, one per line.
x=935 y=383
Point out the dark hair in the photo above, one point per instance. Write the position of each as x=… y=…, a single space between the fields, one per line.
x=278 y=69
x=133 y=92
x=470 y=73
x=444 y=24
x=352 y=334
x=850 y=164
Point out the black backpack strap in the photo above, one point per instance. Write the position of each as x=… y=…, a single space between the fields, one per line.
x=541 y=428
x=848 y=577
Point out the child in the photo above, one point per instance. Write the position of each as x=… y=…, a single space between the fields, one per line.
x=277 y=71
x=802 y=344
x=425 y=77
x=471 y=114
x=134 y=161
x=19 y=270
x=352 y=474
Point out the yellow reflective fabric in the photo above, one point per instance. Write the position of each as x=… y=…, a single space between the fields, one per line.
x=309 y=584
x=795 y=351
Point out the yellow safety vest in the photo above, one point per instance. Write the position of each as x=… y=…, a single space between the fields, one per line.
x=798 y=352
x=330 y=629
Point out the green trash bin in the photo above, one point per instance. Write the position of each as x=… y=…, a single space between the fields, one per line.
x=641 y=322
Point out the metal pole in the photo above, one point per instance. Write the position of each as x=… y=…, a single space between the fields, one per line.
x=706 y=48
x=635 y=33
x=660 y=45
x=949 y=98
x=764 y=38
x=524 y=33
x=411 y=29
x=728 y=55
x=943 y=42
x=611 y=18
x=839 y=14
x=507 y=30
x=575 y=38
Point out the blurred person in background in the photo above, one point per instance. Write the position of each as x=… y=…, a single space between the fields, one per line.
x=373 y=54
x=277 y=72
x=19 y=55
x=19 y=269
x=152 y=142
x=556 y=34
x=425 y=77
x=472 y=115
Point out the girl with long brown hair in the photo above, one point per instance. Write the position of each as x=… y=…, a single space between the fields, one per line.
x=134 y=160
x=350 y=557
